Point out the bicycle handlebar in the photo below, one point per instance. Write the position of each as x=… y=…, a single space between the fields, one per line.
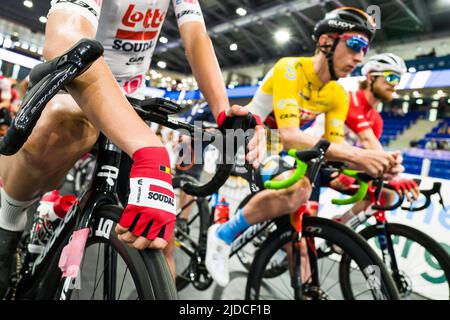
x=301 y=158
x=361 y=180
x=46 y=79
x=427 y=193
x=224 y=169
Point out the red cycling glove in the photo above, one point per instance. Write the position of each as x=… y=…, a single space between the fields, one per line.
x=402 y=184
x=346 y=181
x=150 y=212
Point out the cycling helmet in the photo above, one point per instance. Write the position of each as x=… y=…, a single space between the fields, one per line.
x=346 y=19
x=342 y=20
x=384 y=62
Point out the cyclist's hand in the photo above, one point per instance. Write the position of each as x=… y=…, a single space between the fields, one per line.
x=406 y=187
x=257 y=145
x=342 y=182
x=395 y=170
x=375 y=162
x=149 y=218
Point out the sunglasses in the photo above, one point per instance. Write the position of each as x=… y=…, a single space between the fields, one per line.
x=391 y=78
x=356 y=43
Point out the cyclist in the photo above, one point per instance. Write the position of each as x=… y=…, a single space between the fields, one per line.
x=364 y=125
x=69 y=125
x=293 y=93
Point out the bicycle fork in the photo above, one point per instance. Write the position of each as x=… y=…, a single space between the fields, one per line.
x=296 y=244
x=387 y=247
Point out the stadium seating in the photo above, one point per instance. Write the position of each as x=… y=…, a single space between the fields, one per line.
x=394 y=125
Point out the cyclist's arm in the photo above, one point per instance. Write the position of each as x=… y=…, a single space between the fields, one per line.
x=358 y=123
x=206 y=70
x=375 y=163
x=96 y=91
x=204 y=64
x=369 y=140
x=287 y=115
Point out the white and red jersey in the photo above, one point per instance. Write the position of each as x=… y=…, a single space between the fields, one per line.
x=129 y=30
x=361 y=116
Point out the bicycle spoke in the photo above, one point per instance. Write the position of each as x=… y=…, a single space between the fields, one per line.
x=334 y=262
x=123 y=281
x=99 y=280
x=357 y=295
x=96 y=265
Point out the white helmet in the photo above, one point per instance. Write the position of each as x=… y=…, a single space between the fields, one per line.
x=384 y=62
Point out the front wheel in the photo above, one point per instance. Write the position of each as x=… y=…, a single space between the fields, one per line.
x=328 y=242
x=423 y=264
x=111 y=270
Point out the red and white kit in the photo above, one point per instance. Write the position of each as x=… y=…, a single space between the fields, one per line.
x=129 y=30
x=361 y=116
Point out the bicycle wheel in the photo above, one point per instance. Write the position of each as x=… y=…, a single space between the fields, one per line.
x=111 y=270
x=424 y=265
x=329 y=242
x=190 y=240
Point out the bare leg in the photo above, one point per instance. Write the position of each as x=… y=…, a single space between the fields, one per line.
x=61 y=137
x=269 y=204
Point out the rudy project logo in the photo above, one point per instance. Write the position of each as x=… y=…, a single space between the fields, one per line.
x=341 y=24
x=150 y=21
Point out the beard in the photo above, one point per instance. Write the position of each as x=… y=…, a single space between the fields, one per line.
x=383 y=95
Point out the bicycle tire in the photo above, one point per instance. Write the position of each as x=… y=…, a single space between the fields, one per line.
x=345 y=238
x=431 y=245
x=148 y=268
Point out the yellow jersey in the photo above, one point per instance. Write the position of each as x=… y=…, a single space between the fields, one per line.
x=292 y=95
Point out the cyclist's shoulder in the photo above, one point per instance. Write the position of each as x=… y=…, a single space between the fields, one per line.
x=290 y=62
x=290 y=68
x=338 y=92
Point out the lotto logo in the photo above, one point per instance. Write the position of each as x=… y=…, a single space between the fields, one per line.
x=150 y=19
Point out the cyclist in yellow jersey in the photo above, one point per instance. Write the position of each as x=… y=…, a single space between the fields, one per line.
x=292 y=95
x=295 y=91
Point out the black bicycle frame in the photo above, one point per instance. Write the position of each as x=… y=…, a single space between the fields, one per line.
x=42 y=279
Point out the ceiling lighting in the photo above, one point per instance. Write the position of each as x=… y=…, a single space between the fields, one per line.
x=28 y=4
x=43 y=19
x=163 y=40
x=282 y=36
x=233 y=47
x=419 y=101
x=412 y=70
x=241 y=11
x=161 y=64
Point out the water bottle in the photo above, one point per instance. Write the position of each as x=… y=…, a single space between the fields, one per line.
x=221 y=211
x=52 y=208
